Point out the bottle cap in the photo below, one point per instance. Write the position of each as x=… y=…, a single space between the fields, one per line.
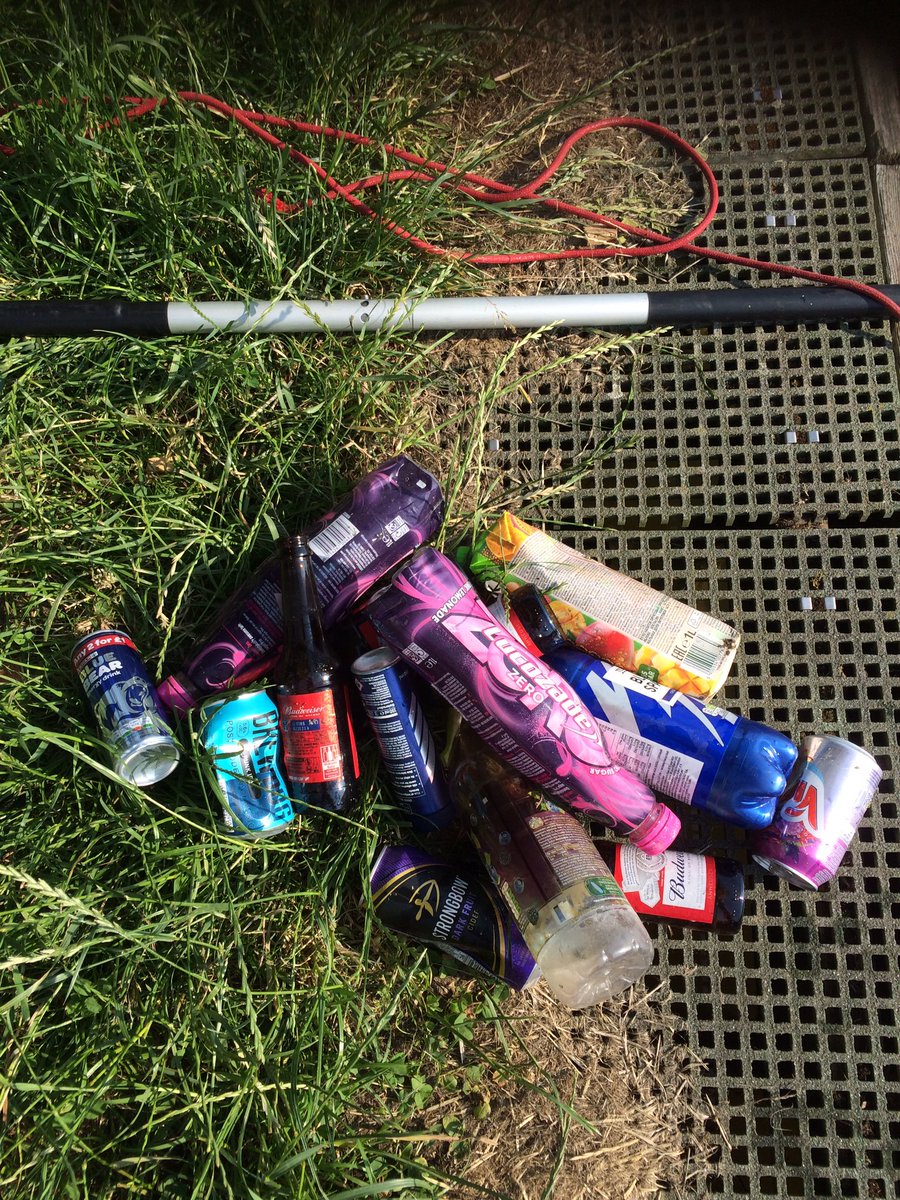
x=657 y=831
x=532 y=615
x=176 y=699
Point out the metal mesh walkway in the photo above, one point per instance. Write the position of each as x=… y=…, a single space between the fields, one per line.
x=764 y=471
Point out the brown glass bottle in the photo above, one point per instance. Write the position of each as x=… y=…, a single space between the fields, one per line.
x=679 y=888
x=318 y=747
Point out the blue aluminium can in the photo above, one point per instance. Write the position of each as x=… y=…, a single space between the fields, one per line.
x=126 y=706
x=240 y=735
x=404 y=739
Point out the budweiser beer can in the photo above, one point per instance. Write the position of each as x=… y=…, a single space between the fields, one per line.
x=827 y=797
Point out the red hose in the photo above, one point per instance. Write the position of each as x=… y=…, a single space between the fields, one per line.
x=492 y=191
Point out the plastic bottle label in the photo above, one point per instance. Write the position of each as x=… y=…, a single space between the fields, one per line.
x=667 y=771
x=615 y=617
x=628 y=708
x=312 y=753
x=532 y=850
x=671 y=884
x=526 y=713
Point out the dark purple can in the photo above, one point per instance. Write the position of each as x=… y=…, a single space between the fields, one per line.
x=451 y=909
x=405 y=739
x=389 y=513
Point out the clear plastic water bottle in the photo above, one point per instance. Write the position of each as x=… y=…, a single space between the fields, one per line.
x=585 y=936
x=715 y=760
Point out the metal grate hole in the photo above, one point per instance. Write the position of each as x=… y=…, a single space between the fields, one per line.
x=744 y=79
x=797 y=1016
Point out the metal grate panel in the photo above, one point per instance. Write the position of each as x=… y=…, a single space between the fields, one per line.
x=728 y=427
x=798 y=1015
x=743 y=79
x=818 y=215
x=739 y=426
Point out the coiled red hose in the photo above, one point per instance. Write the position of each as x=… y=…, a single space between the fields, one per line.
x=492 y=191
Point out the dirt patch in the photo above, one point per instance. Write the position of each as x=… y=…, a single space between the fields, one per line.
x=619 y=1068
x=577 y=1106
x=538 y=72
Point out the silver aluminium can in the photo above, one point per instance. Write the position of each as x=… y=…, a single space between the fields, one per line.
x=126 y=706
x=827 y=796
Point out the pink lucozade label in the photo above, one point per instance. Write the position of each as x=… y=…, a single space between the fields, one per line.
x=526 y=712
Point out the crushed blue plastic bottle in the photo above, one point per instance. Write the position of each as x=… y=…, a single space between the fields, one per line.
x=714 y=760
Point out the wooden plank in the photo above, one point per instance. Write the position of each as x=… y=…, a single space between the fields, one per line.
x=887 y=184
x=880 y=75
x=887 y=197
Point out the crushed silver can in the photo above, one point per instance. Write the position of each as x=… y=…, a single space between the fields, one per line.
x=827 y=796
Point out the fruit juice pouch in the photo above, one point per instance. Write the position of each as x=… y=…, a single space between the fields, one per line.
x=608 y=614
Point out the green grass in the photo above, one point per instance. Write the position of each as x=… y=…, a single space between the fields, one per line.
x=182 y=1017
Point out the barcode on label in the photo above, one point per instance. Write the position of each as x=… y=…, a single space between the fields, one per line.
x=702 y=655
x=333 y=537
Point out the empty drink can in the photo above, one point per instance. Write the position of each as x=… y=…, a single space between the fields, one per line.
x=826 y=799
x=404 y=739
x=126 y=706
x=240 y=734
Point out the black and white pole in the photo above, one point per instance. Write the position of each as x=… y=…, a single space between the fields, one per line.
x=635 y=310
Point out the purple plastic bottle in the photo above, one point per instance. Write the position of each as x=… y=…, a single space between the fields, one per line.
x=389 y=513
x=526 y=713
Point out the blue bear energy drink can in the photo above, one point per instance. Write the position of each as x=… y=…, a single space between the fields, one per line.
x=404 y=739
x=449 y=908
x=240 y=735
x=126 y=706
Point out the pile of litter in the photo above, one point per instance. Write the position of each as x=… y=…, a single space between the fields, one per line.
x=583 y=696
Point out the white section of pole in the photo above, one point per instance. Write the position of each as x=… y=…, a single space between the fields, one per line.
x=455 y=312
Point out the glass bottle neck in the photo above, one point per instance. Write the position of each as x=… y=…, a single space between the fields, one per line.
x=305 y=648
x=531 y=612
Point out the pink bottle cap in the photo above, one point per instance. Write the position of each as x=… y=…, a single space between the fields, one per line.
x=657 y=831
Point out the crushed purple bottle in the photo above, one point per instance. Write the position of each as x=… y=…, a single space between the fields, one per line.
x=525 y=712
x=389 y=513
